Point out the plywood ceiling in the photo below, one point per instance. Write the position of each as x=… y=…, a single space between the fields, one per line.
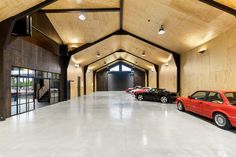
x=125 y=42
x=188 y=23
x=9 y=8
x=70 y=4
x=229 y=3
x=72 y=30
x=121 y=55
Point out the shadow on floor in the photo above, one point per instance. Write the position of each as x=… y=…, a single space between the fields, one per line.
x=233 y=130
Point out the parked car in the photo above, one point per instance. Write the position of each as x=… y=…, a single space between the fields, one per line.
x=156 y=94
x=217 y=105
x=128 y=90
x=141 y=90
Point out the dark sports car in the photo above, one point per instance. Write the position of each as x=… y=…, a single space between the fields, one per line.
x=156 y=94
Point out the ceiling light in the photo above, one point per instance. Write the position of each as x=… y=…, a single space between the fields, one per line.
x=162 y=30
x=82 y=17
x=77 y=65
x=98 y=55
x=143 y=54
x=105 y=63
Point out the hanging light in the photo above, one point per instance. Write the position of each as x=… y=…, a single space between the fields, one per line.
x=82 y=17
x=162 y=30
x=98 y=55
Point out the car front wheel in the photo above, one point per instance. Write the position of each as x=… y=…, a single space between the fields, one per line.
x=164 y=99
x=140 y=97
x=180 y=106
x=222 y=121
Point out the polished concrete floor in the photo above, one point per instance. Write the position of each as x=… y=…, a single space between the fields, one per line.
x=113 y=124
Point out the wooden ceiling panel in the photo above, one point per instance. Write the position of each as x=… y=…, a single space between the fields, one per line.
x=121 y=55
x=74 y=31
x=138 y=47
x=70 y=4
x=187 y=23
x=228 y=3
x=9 y=8
x=104 y=48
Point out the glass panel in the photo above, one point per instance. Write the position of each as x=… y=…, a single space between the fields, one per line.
x=116 y=68
x=214 y=98
x=125 y=68
x=23 y=72
x=58 y=76
x=30 y=90
x=22 y=108
x=13 y=110
x=39 y=74
x=45 y=75
x=15 y=71
x=49 y=75
x=13 y=90
x=22 y=90
x=199 y=95
x=31 y=106
x=31 y=73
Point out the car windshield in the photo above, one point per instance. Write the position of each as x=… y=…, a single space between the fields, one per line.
x=231 y=96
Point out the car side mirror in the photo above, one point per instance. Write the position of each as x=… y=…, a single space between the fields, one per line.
x=189 y=97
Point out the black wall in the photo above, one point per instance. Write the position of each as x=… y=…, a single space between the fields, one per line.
x=119 y=81
x=102 y=79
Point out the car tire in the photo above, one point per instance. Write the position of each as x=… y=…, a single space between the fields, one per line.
x=222 y=121
x=180 y=106
x=140 y=97
x=164 y=99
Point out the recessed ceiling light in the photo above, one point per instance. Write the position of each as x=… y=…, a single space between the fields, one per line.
x=98 y=55
x=82 y=17
x=162 y=30
x=143 y=54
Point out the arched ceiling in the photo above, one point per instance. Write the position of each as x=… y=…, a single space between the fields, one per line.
x=229 y=3
x=9 y=8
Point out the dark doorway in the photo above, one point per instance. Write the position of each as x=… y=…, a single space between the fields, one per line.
x=79 y=94
x=119 y=81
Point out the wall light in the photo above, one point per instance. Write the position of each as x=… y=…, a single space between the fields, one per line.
x=162 y=30
x=202 y=51
x=77 y=65
x=167 y=64
x=82 y=17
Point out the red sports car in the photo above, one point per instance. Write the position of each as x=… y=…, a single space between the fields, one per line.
x=217 y=105
x=142 y=90
x=128 y=90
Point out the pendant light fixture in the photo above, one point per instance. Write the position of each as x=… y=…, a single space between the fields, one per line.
x=82 y=17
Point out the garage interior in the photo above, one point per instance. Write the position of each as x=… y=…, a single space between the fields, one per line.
x=65 y=66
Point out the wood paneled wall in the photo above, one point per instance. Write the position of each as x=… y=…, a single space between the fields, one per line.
x=152 y=78
x=72 y=75
x=89 y=82
x=213 y=70
x=168 y=76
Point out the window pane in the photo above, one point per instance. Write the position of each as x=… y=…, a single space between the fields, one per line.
x=125 y=68
x=22 y=90
x=23 y=72
x=199 y=95
x=31 y=73
x=49 y=75
x=31 y=106
x=22 y=108
x=214 y=97
x=39 y=74
x=15 y=71
x=45 y=75
x=30 y=90
x=13 y=110
x=116 y=68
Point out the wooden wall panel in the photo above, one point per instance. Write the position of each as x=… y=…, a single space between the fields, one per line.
x=213 y=70
x=72 y=76
x=152 y=78
x=168 y=76
x=89 y=82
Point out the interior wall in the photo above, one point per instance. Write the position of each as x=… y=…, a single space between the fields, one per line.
x=168 y=76
x=72 y=75
x=213 y=70
x=89 y=82
x=20 y=52
x=152 y=78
